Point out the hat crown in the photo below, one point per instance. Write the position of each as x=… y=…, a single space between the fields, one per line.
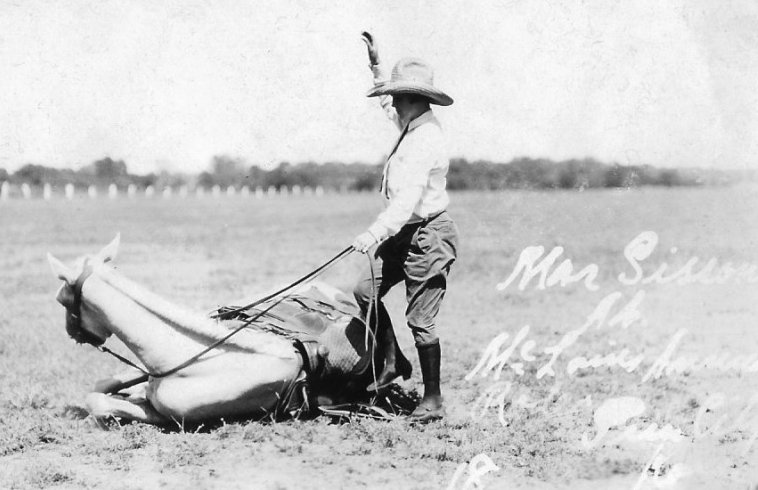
x=412 y=70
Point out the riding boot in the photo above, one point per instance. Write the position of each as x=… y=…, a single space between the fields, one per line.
x=431 y=407
x=395 y=363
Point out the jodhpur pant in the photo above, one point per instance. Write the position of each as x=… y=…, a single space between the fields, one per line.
x=421 y=255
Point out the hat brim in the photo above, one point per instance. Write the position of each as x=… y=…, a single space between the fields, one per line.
x=435 y=95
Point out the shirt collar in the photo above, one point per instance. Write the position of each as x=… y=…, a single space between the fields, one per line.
x=422 y=119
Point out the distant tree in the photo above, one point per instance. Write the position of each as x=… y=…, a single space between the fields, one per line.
x=144 y=180
x=227 y=171
x=365 y=182
x=614 y=176
x=35 y=174
x=519 y=173
x=205 y=179
x=459 y=174
x=304 y=174
x=168 y=179
x=668 y=178
x=279 y=177
x=255 y=176
x=109 y=170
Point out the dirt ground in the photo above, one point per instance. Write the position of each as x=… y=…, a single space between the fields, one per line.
x=675 y=375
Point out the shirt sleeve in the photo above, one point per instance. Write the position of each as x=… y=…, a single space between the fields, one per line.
x=385 y=100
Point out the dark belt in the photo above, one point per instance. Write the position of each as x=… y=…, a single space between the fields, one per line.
x=410 y=228
x=433 y=217
x=425 y=221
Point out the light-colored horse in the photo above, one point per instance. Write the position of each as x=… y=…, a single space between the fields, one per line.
x=245 y=376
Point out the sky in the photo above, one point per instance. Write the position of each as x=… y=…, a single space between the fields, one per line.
x=168 y=85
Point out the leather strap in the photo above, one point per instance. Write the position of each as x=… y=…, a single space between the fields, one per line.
x=385 y=174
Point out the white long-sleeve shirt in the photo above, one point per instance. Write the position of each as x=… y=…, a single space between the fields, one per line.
x=415 y=175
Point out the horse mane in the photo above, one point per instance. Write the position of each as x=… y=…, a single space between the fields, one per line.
x=188 y=322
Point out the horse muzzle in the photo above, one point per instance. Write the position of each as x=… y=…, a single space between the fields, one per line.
x=81 y=335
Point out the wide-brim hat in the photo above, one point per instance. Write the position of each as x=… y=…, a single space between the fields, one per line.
x=412 y=76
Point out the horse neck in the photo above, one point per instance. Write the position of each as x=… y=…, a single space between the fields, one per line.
x=160 y=333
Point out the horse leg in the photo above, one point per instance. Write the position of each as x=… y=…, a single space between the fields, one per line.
x=395 y=363
x=120 y=381
x=102 y=406
x=233 y=384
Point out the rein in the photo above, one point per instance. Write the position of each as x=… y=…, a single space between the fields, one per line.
x=226 y=314
x=74 y=318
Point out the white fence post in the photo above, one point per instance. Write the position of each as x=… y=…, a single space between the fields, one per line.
x=230 y=191
x=319 y=191
x=112 y=191
x=245 y=192
x=5 y=190
x=69 y=191
x=296 y=191
x=167 y=192
x=200 y=191
x=47 y=192
x=131 y=191
x=26 y=191
x=149 y=191
x=216 y=190
x=92 y=192
x=258 y=192
x=271 y=190
x=183 y=191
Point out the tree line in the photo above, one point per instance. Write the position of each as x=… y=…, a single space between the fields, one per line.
x=520 y=173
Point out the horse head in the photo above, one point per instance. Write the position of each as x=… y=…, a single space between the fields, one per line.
x=82 y=318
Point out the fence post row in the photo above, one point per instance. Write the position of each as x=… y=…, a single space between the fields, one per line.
x=25 y=191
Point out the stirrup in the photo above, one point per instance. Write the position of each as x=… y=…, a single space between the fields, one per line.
x=357 y=410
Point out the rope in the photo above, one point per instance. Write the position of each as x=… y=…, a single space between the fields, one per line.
x=220 y=341
x=230 y=313
x=373 y=308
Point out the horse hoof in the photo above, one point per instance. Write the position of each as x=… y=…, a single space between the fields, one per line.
x=98 y=405
x=383 y=381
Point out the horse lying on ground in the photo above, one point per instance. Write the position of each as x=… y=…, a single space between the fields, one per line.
x=309 y=347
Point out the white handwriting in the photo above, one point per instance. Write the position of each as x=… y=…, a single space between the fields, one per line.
x=643 y=245
x=667 y=364
x=480 y=465
x=617 y=411
x=562 y=275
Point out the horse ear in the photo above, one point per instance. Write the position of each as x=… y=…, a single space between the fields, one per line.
x=61 y=270
x=109 y=252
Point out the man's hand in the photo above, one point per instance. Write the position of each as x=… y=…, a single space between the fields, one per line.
x=373 y=52
x=363 y=242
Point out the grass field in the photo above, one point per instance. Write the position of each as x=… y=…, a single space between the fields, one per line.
x=204 y=253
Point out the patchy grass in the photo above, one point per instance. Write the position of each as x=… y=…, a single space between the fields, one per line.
x=204 y=253
x=49 y=475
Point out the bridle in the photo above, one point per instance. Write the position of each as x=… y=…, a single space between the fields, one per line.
x=74 y=312
x=80 y=334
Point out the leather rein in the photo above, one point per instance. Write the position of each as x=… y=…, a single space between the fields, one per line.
x=80 y=334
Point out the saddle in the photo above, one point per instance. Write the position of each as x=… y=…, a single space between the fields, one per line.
x=328 y=332
x=336 y=347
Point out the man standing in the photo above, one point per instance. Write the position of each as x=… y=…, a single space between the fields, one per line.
x=417 y=240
